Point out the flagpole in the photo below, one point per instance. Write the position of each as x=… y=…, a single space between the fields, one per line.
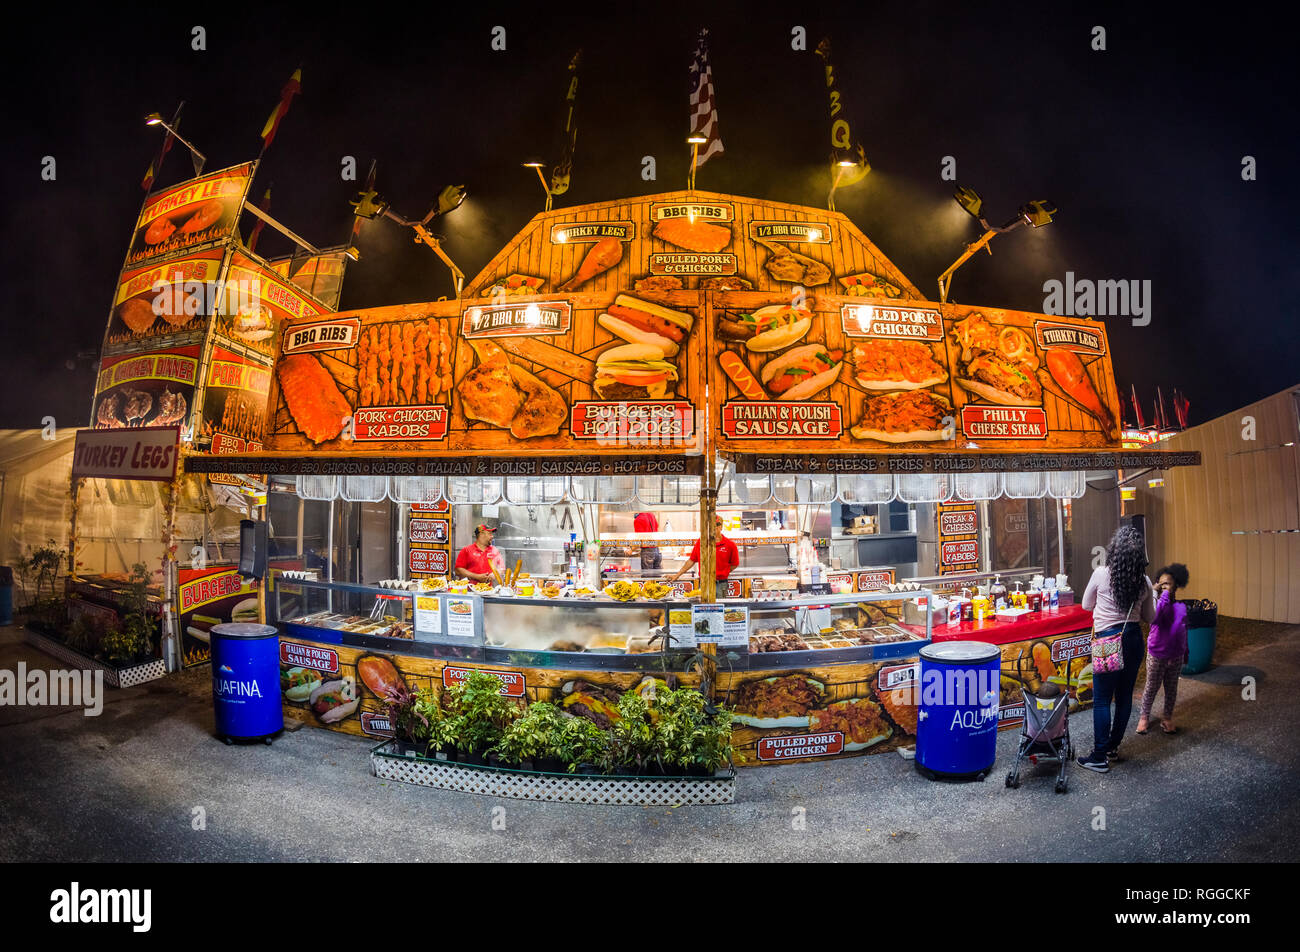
x=695 y=154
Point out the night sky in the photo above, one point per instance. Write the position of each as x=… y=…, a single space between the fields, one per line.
x=1140 y=146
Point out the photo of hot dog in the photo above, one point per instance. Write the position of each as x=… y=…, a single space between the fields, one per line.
x=634 y=372
x=802 y=372
x=335 y=700
x=740 y=375
x=641 y=322
x=770 y=328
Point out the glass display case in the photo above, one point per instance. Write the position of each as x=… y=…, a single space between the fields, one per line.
x=601 y=633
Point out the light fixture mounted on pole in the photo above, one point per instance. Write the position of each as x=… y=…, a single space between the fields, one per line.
x=197 y=157
x=1035 y=214
x=369 y=205
x=536 y=164
x=695 y=142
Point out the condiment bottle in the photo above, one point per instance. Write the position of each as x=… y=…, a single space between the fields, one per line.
x=998 y=593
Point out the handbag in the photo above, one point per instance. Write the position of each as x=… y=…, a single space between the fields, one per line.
x=1108 y=650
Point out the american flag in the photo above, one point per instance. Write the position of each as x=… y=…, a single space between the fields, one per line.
x=704 y=112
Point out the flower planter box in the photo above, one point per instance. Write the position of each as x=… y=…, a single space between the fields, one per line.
x=126 y=677
x=388 y=763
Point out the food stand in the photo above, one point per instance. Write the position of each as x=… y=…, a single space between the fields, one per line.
x=686 y=354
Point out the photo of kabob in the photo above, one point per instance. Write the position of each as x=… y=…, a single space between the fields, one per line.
x=404 y=364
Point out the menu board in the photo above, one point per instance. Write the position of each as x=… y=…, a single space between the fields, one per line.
x=150 y=389
x=428 y=537
x=163 y=300
x=234 y=402
x=196 y=212
x=830 y=373
x=321 y=276
x=572 y=375
x=257 y=301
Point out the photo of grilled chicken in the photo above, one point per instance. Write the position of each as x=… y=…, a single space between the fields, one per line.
x=106 y=414
x=172 y=408
x=702 y=236
x=544 y=410
x=786 y=265
x=137 y=406
x=313 y=398
x=488 y=392
x=603 y=255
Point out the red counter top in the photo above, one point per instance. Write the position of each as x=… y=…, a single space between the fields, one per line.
x=1041 y=625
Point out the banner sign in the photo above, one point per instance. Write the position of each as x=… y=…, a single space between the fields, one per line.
x=163 y=299
x=153 y=389
x=257 y=301
x=139 y=453
x=190 y=214
x=321 y=276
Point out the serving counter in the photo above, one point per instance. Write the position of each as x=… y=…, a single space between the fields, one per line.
x=807 y=676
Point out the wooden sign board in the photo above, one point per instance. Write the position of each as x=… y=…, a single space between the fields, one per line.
x=834 y=374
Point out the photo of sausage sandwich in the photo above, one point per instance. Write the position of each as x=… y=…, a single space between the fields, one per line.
x=767 y=329
x=802 y=372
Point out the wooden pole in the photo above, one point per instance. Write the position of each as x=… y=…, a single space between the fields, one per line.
x=695 y=154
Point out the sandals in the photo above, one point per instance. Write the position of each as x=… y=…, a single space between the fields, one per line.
x=1167 y=729
x=1141 y=729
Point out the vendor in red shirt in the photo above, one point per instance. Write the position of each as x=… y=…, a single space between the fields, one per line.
x=728 y=556
x=477 y=559
x=651 y=558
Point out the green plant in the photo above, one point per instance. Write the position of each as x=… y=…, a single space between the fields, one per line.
x=484 y=712
x=413 y=714
x=43 y=566
x=117 y=647
x=579 y=741
x=79 y=635
x=531 y=735
x=635 y=736
x=694 y=734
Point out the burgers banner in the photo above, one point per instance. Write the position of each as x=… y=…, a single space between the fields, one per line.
x=200 y=211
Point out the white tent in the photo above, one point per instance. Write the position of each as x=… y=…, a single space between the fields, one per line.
x=119 y=522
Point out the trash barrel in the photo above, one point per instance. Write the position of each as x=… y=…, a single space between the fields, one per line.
x=6 y=595
x=957 y=725
x=1202 y=618
x=246 y=681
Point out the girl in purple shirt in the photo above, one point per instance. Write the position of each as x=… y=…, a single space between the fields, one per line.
x=1166 y=647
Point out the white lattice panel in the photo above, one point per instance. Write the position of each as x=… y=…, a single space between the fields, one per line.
x=575 y=788
x=123 y=678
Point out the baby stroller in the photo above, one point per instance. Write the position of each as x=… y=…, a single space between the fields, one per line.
x=1045 y=734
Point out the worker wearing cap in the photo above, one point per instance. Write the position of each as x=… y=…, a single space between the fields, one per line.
x=477 y=559
x=727 y=559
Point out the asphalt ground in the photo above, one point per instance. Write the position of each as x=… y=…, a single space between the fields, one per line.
x=128 y=785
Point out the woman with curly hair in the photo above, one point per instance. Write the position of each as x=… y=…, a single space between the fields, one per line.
x=1166 y=647
x=1119 y=597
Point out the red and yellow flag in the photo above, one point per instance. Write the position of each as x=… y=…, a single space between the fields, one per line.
x=291 y=89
